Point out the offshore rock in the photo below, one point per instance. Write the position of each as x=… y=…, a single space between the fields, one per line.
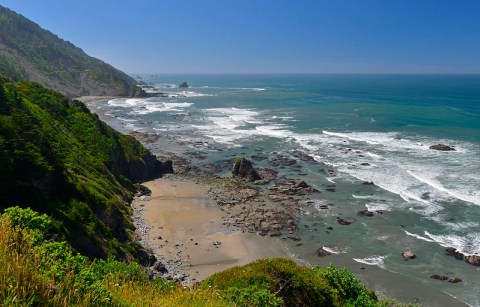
x=184 y=84
x=321 y=252
x=366 y=213
x=408 y=255
x=243 y=168
x=473 y=260
x=450 y=251
x=343 y=221
x=439 y=277
x=442 y=147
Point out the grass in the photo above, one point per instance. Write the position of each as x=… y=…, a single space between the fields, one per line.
x=36 y=270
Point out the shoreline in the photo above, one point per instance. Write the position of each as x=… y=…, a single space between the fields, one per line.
x=192 y=167
x=189 y=237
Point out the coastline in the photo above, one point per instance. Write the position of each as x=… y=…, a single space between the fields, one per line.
x=179 y=262
x=189 y=236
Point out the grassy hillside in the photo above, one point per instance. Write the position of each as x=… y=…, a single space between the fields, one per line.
x=35 y=271
x=29 y=52
x=60 y=159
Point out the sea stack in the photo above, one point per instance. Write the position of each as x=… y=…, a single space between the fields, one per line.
x=184 y=84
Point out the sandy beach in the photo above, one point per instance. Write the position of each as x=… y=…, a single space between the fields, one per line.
x=189 y=237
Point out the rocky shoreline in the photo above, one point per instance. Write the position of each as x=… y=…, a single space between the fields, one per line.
x=254 y=200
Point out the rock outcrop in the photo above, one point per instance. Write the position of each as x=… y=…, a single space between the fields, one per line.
x=442 y=147
x=450 y=251
x=408 y=255
x=184 y=84
x=322 y=252
x=473 y=260
x=243 y=168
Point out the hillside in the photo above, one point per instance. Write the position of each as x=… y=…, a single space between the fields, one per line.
x=64 y=278
x=58 y=158
x=29 y=52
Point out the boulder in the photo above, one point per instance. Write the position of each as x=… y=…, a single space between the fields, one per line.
x=408 y=255
x=243 y=168
x=442 y=147
x=439 y=277
x=321 y=252
x=450 y=251
x=267 y=175
x=473 y=260
x=306 y=158
x=366 y=213
x=159 y=267
x=184 y=84
x=143 y=191
x=454 y=280
x=343 y=222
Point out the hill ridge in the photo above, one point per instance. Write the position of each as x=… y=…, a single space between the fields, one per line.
x=27 y=51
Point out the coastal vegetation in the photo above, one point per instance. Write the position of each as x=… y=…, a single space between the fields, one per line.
x=60 y=159
x=29 y=52
x=37 y=269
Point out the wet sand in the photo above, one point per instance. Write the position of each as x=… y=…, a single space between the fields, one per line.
x=185 y=232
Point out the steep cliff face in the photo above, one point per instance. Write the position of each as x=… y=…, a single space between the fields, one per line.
x=29 y=52
x=60 y=159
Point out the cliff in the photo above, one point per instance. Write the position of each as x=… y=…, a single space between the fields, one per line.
x=60 y=159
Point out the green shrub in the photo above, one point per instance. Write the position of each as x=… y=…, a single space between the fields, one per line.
x=349 y=288
x=294 y=284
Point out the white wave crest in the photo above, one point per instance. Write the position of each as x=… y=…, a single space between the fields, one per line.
x=372 y=260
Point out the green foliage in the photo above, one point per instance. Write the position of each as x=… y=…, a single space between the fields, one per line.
x=252 y=296
x=29 y=52
x=349 y=288
x=60 y=159
x=28 y=219
x=294 y=284
x=36 y=271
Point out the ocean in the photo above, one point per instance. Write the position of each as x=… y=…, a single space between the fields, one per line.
x=358 y=129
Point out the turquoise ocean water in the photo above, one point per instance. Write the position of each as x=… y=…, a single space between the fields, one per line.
x=358 y=128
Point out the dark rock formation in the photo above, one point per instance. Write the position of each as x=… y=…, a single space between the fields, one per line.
x=266 y=175
x=184 y=84
x=281 y=161
x=288 y=188
x=442 y=147
x=147 y=168
x=243 y=168
x=321 y=252
x=450 y=251
x=159 y=267
x=366 y=213
x=343 y=222
x=454 y=280
x=439 y=277
x=143 y=191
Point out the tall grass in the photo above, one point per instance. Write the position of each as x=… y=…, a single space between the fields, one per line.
x=24 y=281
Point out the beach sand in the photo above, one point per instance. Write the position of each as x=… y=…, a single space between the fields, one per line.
x=182 y=228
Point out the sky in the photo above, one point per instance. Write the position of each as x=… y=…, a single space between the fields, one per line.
x=268 y=36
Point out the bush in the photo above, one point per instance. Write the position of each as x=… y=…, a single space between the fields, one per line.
x=349 y=288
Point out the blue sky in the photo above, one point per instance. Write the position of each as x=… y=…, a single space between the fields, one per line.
x=269 y=36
